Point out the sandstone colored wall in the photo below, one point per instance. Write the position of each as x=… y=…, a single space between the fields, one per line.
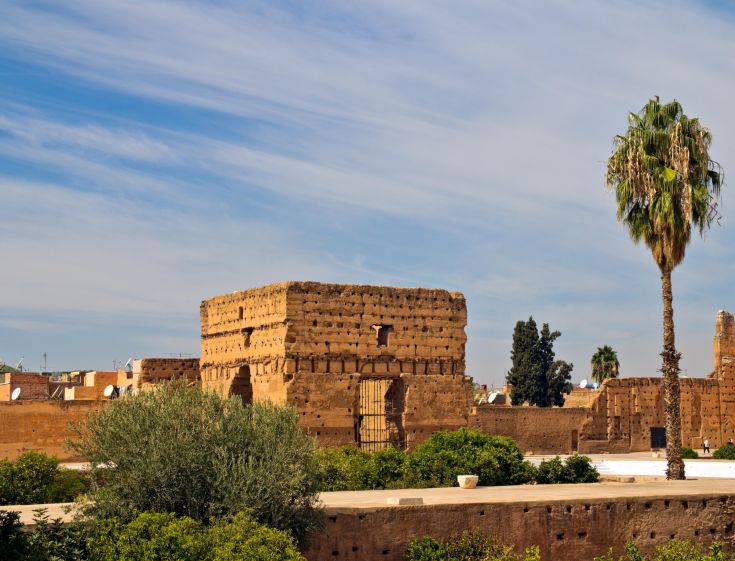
x=147 y=371
x=310 y=344
x=40 y=425
x=724 y=344
x=564 y=530
x=541 y=430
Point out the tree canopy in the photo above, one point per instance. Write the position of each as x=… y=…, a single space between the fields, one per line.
x=605 y=364
x=536 y=377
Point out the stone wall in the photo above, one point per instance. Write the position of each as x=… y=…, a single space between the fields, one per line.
x=32 y=386
x=149 y=371
x=316 y=345
x=541 y=430
x=41 y=426
x=576 y=529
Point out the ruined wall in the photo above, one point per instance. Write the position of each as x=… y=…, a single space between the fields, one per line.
x=724 y=344
x=540 y=430
x=563 y=529
x=149 y=371
x=40 y=425
x=32 y=386
x=310 y=344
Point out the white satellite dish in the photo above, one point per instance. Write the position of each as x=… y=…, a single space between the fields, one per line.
x=129 y=363
x=492 y=397
x=15 y=395
x=108 y=391
x=595 y=385
x=583 y=383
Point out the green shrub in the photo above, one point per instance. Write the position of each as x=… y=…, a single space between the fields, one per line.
x=13 y=542
x=467 y=546
x=726 y=452
x=574 y=469
x=35 y=478
x=52 y=540
x=674 y=550
x=190 y=452
x=350 y=469
x=497 y=460
x=689 y=454
x=167 y=537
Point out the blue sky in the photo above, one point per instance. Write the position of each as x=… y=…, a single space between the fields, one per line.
x=155 y=153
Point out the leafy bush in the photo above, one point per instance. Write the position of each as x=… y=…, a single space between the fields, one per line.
x=726 y=452
x=674 y=550
x=574 y=469
x=166 y=537
x=497 y=460
x=13 y=542
x=467 y=546
x=350 y=469
x=689 y=454
x=35 y=478
x=190 y=452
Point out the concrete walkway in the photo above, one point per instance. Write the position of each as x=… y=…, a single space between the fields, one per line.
x=534 y=493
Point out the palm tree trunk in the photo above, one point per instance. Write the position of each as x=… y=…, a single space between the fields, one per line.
x=672 y=392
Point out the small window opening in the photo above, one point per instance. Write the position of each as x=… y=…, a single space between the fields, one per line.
x=240 y=313
x=247 y=332
x=383 y=334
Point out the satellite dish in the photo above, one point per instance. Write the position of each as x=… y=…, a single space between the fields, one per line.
x=595 y=385
x=129 y=363
x=19 y=366
x=15 y=395
x=109 y=390
x=491 y=399
x=583 y=383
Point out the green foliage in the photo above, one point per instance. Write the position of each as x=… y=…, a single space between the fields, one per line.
x=240 y=538
x=436 y=463
x=13 y=543
x=167 y=537
x=467 y=546
x=674 y=550
x=535 y=376
x=497 y=460
x=664 y=180
x=35 y=478
x=190 y=452
x=574 y=469
x=689 y=454
x=51 y=540
x=605 y=364
x=726 y=452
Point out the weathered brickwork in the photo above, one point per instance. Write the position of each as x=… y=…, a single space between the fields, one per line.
x=318 y=346
x=149 y=371
x=32 y=386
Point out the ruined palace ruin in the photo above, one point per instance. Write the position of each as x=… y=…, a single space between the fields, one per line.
x=370 y=365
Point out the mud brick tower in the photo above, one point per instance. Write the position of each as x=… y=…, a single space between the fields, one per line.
x=369 y=365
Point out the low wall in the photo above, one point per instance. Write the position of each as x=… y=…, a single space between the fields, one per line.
x=564 y=528
x=40 y=425
x=541 y=430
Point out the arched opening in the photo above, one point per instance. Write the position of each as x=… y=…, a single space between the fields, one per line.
x=242 y=385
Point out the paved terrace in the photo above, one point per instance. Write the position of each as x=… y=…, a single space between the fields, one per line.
x=350 y=501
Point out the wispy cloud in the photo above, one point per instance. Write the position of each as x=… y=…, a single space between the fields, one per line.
x=157 y=152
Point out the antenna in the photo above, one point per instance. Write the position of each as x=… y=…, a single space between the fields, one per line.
x=15 y=395
x=583 y=384
x=19 y=366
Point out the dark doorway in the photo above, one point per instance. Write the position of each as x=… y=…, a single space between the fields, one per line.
x=242 y=386
x=575 y=440
x=379 y=419
x=658 y=437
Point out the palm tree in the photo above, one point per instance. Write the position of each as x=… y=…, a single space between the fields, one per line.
x=605 y=364
x=665 y=184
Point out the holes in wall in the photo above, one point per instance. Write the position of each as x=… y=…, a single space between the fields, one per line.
x=653 y=535
x=685 y=504
x=560 y=536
